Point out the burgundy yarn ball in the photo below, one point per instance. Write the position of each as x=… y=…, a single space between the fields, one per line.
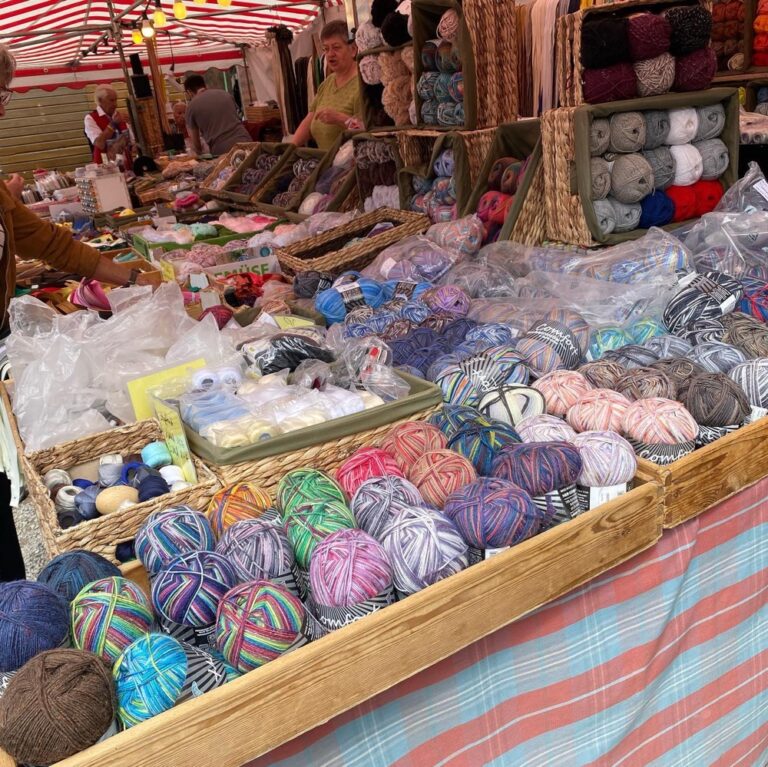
x=615 y=83
x=648 y=35
x=695 y=71
x=221 y=314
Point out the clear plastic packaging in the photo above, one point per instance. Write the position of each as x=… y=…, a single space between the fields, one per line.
x=748 y=195
x=414 y=258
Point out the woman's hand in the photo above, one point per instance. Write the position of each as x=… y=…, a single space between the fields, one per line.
x=332 y=117
x=15 y=185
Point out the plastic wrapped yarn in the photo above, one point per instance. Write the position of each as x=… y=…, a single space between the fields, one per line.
x=641 y=383
x=335 y=302
x=257 y=549
x=437 y=473
x=602 y=374
x=366 y=463
x=598 y=410
x=481 y=444
x=377 y=499
x=607 y=459
x=447 y=299
x=706 y=296
x=561 y=390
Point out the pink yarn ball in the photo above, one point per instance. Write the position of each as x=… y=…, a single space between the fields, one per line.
x=409 y=441
x=562 y=389
x=439 y=473
x=366 y=463
x=545 y=428
x=598 y=410
x=657 y=420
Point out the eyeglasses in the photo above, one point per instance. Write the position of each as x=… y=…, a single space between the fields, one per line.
x=5 y=96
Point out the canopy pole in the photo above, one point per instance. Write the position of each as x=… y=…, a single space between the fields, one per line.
x=158 y=82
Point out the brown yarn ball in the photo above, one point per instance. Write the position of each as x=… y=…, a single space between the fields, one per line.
x=602 y=374
x=57 y=704
x=645 y=382
x=713 y=399
x=679 y=370
x=655 y=76
x=747 y=333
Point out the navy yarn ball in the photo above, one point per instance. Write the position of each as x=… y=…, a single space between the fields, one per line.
x=68 y=573
x=657 y=210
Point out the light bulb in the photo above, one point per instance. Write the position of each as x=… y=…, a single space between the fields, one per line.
x=137 y=37
x=199 y=2
x=179 y=10
x=225 y=3
x=147 y=29
x=159 y=18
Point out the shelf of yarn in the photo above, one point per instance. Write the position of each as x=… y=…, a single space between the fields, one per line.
x=226 y=170
x=759 y=37
x=729 y=24
x=377 y=162
x=434 y=194
x=148 y=241
x=334 y=181
x=288 y=182
x=254 y=172
x=610 y=53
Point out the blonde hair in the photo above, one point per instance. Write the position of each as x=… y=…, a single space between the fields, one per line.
x=102 y=90
x=7 y=65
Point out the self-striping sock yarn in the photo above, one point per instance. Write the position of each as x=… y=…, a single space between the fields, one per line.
x=307 y=525
x=306 y=486
x=438 y=473
x=561 y=390
x=602 y=374
x=679 y=370
x=450 y=418
x=607 y=338
x=598 y=410
x=377 y=499
x=705 y=296
x=481 y=444
x=641 y=383
x=68 y=573
x=667 y=346
x=257 y=549
x=511 y=403
x=607 y=459
x=713 y=399
x=539 y=467
x=408 y=441
x=752 y=377
x=240 y=501
x=717 y=357
x=659 y=421
x=545 y=428
x=632 y=356
x=557 y=341
x=366 y=463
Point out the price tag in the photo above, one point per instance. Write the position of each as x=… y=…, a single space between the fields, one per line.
x=209 y=298
x=172 y=427
x=758 y=413
x=139 y=388
x=199 y=281
x=167 y=270
x=601 y=495
x=285 y=321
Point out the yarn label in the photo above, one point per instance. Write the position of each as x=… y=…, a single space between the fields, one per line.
x=289 y=581
x=560 y=338
x=204 y=673
x=404 y=289
x=204 y=637
x=601 y=495
x=351 y=296
x=481 y=555
x=336 y=617
x=717 y=292
x=758 y=413
x=172 y=427
x=559 y=505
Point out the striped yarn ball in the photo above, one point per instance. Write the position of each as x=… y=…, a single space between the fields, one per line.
x=545 y=428
x=679 y=370
x=423 y=546
x=645 y=329
x=439 y=473
x=377 y=499
x=705 y=296
x=562 y=389
x=512 y=403
x=602 y=374
x=557 y=341
x=606 y=339
x=607 y=459
x=493 y=334
x=668 y=346
x=256 y=549
x=167 y=534
x=659 y=421
x=598 y=410
x=752 y=377
x=303 y=486
x=347 y=568
x=407 y=441
x=189 y=590
x=493 y=514
x=256 y=623
x=713 y=399
x=243 y=500
x=450 y=418
x=717 y=357
x=363 y=464
x=309 y=525
x=481 y=444
x=69 y=573
x=632 y=356
x=641 y=383
x=107 y=616
x=539 y=467
x=707 y=330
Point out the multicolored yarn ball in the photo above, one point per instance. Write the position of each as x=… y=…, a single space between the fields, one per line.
x=717 y=357
x=659 y=421
x=645 y=329
x=703 y=297
x=407 y=441
x=602 y=374
x=667 y=346
x=545 y=428
x=493 y=514
x=189 y=590
x=33 y=618
x=157 y=672
x=243 y=500
x=641 y=383
x=107 y=615
x=448 y=299
x=423 y=546
x=366 y=463
x=68 y=573
x=598 y=410
x=450 y=418
x=256 y=623
x=752 y=377
x=632 y=356
x=438 y=473
x=167 y=534
x=713 y=399
x=606 y=339
x=306 y=486
x=679 y=370
x=539 y=467
x=481 y=444
x=557 y=341
x=257 y=550
x=512 y=403
x=607 y=459
x=308 y=525
x=377 y=499
x=562 y=389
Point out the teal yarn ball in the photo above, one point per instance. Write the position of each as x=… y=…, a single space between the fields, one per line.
x=606 y=339
x=481 y=444
x=645 y=329
x=451 y=418
x=69 y=573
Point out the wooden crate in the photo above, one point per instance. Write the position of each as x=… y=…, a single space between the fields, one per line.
x=709 y=475
x=349 y=666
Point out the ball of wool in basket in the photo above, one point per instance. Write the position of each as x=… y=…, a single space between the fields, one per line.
x=243 y=500
x=493 y=514
x=641 y=383
x=691 y=27
x=557 y=341
x=605 y=215
x=561 y=390
x=603 y=374
x=659 y=421
x=481 y=444
x=667 y=346
x=423 y=546
x=57 y=705
x=511 y=403
x=627 y=132
x=688 y=164
x=627 y=215
x=257 y=549
x=679 y=370
x=683 y=125
x=377 y=499
x=604 y=41
x=598 y=410
x=167 y=534
x=303 y=486
x=601 y=178
x=657 y=209
x=68 y=573
x=632 y=178
x=448 y=26
x=695 y=71
x=656 y=127
x=347 y=568
x=644 y=329
x=366 y=463
x=708 y=195
x=309 y=525
x=539 y=467
x=648 y=35
x=711 y=122
x=189 y=589
x=606 y=339
x=256 y=623
x=663 y=166
x=107 y=615
x=109 y=500
x=394 y=29
x=714 y=158
x=545 y=428
x=632 y=356
x=752 y=377
x=408 y=441
x=599 y=136
x=33 y=618
x=607 y=459
x=614 y=83
x=684 y=200
x=717 y=357
x=450 y=418
x=709 y=295
x=448 y=59
x=449 y=299
x=713 y=399
x=438 y=473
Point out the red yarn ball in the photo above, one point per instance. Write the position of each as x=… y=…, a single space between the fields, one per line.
x=407 y=442
x=439 y=473
x=708 y=194
x=615 y=83
x=221 y=314
x=649 y=35
x=684 y=199
x=695 y=71
x=367 y=463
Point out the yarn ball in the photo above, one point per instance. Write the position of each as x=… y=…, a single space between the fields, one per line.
x=679 y=370
x=632 y=356
x=632 y=177
x=309 y=525
x=683 y=125
x=667 y=346
x=380 y=9
x=423 y=546
x=752 y=377
x=561 y=390
x=167 y=534
x=366 y=463
x=663 y=166
x=656 y=127
x=607 y=459
x=706 y=296
x=627 y=132
x=717 y=357
x=394 y=29
x=189 y=589
x=691 y=27
x=688 y=164
x=347 y=568
x=449 y=299
x=557 y=341
x=333 y=303
x=539 y=467
x=257 y=549
x=493 y=514
x=511 y=403
x=33 y=618
x=243 y=500
x=648 y=35
x=602 y=374
x=614 y=83
x=599 y=136
x=684 y=200
x=645 y=329
x=601 y=178
x=256 y=623
x=605 y=215
x=407 y=441
x=627 y=215
x=713 y=399
x=111 y=499
x=305 y=486
x=68 y=573
x=437 y=473
x=545 y=428
x=711 y=122
x=481 y=444
x=714 y=157
x=657 y=209
x=448 y=26
x=377 y=499
x=450 y=418
x=695 y=71
x=598 y=410
x=641 y=383
x=59 y=704
x=659 y=421
x=603 y=41
x=107 y=615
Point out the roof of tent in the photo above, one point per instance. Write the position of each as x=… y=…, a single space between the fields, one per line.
x=48 y=37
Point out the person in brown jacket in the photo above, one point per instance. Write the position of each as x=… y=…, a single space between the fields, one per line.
x=22 y=233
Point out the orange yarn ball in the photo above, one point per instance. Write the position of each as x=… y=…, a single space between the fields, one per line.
x=367 y=463
x=243 y=500
x=407 y=442
x=439 y=473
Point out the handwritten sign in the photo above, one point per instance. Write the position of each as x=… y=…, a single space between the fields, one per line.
x=167 y=270
x=139 y=388
x=286 y=321
x=173 y=433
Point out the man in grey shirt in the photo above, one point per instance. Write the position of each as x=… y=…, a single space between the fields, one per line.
x=212 y=115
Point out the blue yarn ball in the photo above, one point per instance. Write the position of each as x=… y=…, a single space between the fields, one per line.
x=450 y=418
x=645 y=329
x=657 y=210
x=152 y=487
x=85 y=502
x=83 y=483
x=68 y=573
x=480 y=444
x=125 y=551
x=605 y=339
x=440 y=364
x=492 y=333
x=33 y=618
x=456 y=331
x=415 y=311
x=330 y=302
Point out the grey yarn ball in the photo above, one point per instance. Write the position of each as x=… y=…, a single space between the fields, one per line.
x=627 y=215
x=662 y=166
x=655 y=76
x=717 y=357
x=632 y=178
x=656 y=128
x=752 y=376
x=627 y=132
x=711 y=122
x=606 y=217
x=668 y=346
x=599 y=136
x=714 y=156
x=601 y=178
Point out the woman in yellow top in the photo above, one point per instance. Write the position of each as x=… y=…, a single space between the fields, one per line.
x=338 y=105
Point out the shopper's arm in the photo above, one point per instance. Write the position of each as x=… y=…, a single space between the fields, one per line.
x=302 y=134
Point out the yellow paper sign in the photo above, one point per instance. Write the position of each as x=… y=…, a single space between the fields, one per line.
x=167 y=270
x=138 y=389
x=175 y=438
x=286 y=321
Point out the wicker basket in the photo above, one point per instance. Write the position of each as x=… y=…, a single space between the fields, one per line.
x=261 y=114
x=327 y=251
x=252 y=151
x=103 y=534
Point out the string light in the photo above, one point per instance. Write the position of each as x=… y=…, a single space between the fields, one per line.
x=179 y=10
x=158 y=17
x=137 y=37
x=225 y=3
x=147 y=30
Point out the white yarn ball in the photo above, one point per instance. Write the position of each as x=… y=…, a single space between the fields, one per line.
x=688 y=164
x=683 y=124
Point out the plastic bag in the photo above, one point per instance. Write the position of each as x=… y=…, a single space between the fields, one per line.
x=479 y=279
x=365 y=363
x=748 y=195
x=416 y=258
x=285 y=351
